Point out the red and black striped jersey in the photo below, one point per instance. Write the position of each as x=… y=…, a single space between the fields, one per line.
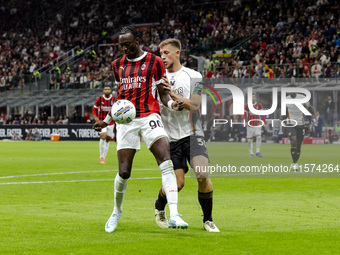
x=253 y=118
x=103 y=106
x=137 y=81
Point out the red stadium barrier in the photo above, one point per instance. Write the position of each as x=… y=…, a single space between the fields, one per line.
x=307 y=141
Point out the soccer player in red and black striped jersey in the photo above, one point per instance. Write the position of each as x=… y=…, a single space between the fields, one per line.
x=254 y=124
x=140 y=79
x=100 y=109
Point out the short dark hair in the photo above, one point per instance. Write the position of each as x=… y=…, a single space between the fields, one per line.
x=129 y=29
x=107 y=85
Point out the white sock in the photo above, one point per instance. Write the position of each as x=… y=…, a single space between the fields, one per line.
x=101 y=148
x=120 y=188
x=170 y=185
x=250 y=145
x=258 y=144
x=106 y=148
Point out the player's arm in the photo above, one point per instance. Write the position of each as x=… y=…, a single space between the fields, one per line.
x=98 y=125
x=95 y=109
x=158 y=75
x=192 y=104
x=164 y=94
x=263 y=117
x=282 y=118
x=245 y=114
x=94 y=113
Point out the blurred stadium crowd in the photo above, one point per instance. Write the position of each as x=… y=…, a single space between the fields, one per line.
x=288 y=38
x=255 y=39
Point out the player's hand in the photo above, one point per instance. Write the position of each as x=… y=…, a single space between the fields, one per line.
x=284 y=130
x=99 y=125
x=178 y=105
x=166 y=84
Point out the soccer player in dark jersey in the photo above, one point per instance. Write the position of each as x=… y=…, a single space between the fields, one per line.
x=100 y=109
x=254 y=123
x=185 y=132
x=140 y=79
x=295 y=127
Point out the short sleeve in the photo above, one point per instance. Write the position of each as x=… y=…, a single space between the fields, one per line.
x=196 y=84
x=158 y=70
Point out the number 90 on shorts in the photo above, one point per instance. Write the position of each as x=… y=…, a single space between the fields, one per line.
x=149 y=128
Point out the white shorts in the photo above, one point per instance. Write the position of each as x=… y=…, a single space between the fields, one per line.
x=253 y=131
x=108 y=130
x=149 y=128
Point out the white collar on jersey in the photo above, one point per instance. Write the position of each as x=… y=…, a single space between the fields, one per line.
x=107 y=98
x=174 y=73
x=137 y=59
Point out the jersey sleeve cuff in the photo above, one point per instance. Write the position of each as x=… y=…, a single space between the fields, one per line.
x=108 y=119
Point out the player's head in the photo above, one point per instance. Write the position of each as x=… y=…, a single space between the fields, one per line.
x=254 y=98
x=170 y=50
x=107 y=90
x=129 y=41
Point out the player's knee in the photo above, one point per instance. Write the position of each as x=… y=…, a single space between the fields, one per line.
x=180 y=185
x=202 y=181
x=124 y=174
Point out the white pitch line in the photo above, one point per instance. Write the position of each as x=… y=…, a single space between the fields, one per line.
x=93 y=180
x=63 y=173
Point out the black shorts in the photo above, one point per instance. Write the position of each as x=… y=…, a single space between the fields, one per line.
x=298 y=131
x=182 y=151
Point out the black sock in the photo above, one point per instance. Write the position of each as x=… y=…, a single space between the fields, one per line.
x=298 y=152
x=161 y=201
x=295 y=156
x=206 y=201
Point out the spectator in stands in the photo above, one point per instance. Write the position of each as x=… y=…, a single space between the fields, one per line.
x=318 y=124
x=29 y=136
x=329 y=109
x=37 y=135
x=337 y=130
x=16 y=137
x=316 y=70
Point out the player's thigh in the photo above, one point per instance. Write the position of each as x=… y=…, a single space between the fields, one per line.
x=257 y=131
x=178 y=153
x=199 y=159
x=250 y=132
x=200 y=165
x=103 y=133
x=109 y=132
x=300 y=133
x=292 y=132
x=127 y=135
x=152 y=129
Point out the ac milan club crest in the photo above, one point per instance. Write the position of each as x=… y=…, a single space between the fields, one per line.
x=143 y=66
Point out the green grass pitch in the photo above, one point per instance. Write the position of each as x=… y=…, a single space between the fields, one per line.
x=55 y=198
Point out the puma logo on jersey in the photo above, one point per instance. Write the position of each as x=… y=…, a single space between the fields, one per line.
x=122 y=67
